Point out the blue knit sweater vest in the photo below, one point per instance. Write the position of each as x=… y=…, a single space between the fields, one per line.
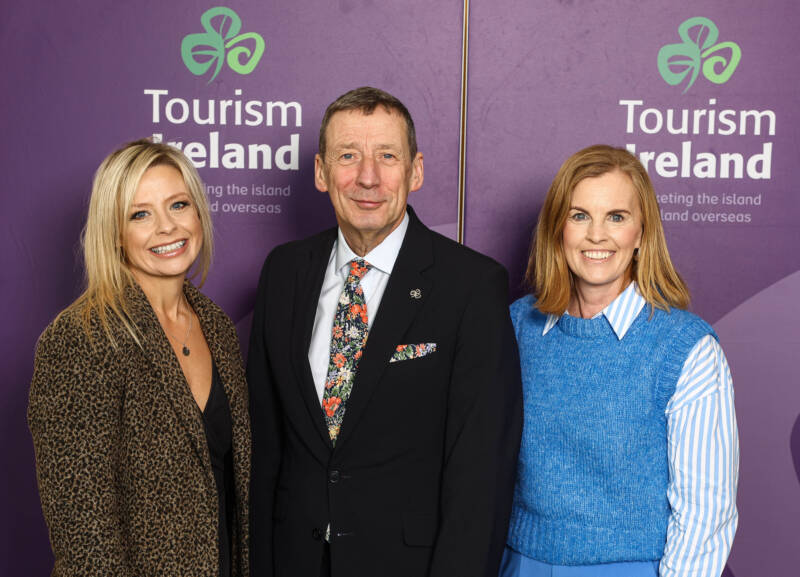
x=593 y=470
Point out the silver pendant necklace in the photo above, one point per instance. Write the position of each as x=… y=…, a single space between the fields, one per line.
x=184 y=347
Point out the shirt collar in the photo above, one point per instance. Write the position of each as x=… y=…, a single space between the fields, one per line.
x=621 y=313
x=382 y=257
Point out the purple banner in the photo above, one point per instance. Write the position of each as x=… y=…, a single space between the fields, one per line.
x=703 y=94
x=79 y=81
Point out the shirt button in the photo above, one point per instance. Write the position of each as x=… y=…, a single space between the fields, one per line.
x=334 y=476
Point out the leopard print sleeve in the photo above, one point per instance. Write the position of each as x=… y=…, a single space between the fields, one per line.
x=74 y=416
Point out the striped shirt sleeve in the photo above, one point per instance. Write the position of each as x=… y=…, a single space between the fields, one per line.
x=703 y=446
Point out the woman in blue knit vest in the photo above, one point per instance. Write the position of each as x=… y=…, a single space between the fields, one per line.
x=629 y=458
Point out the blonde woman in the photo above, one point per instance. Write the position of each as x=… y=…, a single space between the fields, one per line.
x=138 y=405
x=629 y=458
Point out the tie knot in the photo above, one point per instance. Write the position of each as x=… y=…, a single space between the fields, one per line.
x=358 y=268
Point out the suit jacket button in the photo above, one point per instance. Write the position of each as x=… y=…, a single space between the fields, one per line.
x=334 y=476
x=316 y=534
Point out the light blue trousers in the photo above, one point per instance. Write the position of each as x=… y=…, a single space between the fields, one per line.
x=518 y=565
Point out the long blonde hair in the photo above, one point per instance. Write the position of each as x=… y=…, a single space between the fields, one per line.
x=548 y=273
x=107 y=272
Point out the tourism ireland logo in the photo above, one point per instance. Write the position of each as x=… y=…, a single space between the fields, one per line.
x=221 y=43
x=698 y=51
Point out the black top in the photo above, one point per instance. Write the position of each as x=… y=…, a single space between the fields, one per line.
x=219 y=434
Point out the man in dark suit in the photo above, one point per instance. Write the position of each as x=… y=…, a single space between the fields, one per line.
x=393 y=455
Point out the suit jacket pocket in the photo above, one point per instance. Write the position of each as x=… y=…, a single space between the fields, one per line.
x=406 y=352
x=420 y=529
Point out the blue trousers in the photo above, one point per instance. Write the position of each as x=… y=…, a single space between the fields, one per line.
x=518 y=565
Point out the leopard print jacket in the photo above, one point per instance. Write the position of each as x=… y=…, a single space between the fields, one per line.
x=122 y=462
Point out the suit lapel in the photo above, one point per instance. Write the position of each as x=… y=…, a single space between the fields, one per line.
x=397 y=311
x=310 y=275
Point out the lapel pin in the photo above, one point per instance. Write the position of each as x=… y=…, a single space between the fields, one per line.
x=415 y=294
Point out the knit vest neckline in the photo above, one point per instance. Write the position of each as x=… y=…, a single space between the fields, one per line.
x=585 y=328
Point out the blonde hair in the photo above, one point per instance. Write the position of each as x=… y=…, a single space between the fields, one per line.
x=107 y=272
x=548 y=273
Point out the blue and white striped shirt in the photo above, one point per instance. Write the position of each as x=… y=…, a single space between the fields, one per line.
x=703 y=446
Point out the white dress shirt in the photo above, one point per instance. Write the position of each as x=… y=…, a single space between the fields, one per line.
x=703 y=452
x=382 y=259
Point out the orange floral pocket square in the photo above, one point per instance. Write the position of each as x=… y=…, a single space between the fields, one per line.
x=405 y=352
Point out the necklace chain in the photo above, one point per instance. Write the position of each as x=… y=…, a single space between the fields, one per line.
x=184 y=348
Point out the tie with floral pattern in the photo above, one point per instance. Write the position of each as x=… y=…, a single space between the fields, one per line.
x=349 y=336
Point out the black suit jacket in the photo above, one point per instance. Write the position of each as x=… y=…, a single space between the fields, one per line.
x=421 y=478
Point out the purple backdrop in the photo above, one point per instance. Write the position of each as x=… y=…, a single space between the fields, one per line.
x=545 y=79
x=75 y=84
x=549 y=79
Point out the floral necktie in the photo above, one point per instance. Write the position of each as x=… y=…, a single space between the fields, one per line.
x=349 y=336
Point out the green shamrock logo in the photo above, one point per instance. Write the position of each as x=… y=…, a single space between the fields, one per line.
x=698 y=51
x=203 y=50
